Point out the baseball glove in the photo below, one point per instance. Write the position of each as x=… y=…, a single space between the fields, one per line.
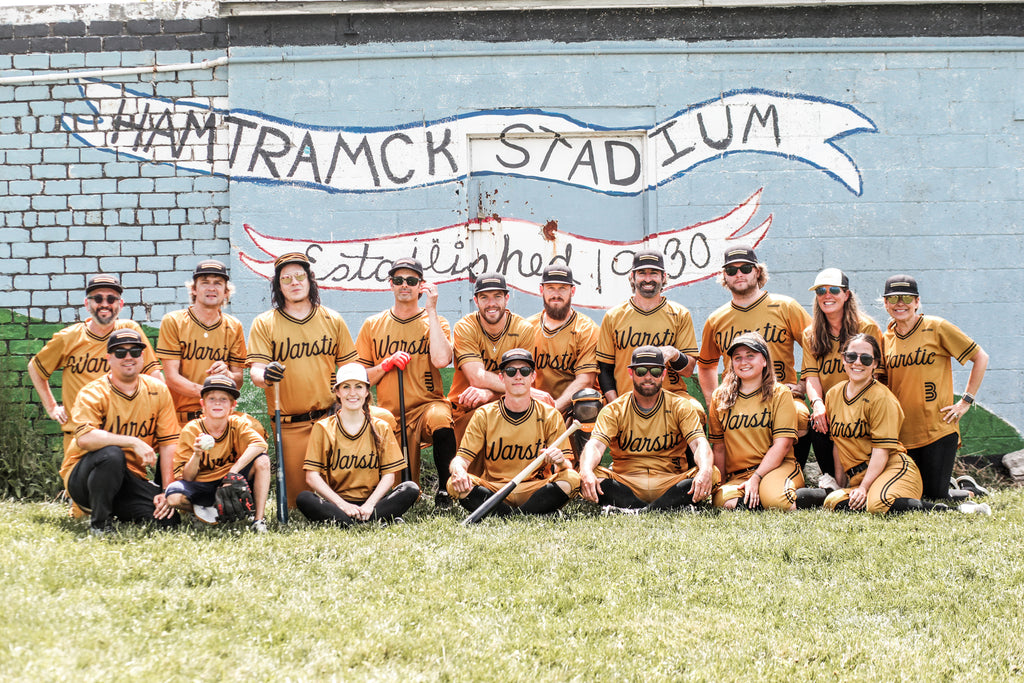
x=233 y=498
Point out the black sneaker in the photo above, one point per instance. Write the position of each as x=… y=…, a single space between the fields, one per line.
x=442 y=501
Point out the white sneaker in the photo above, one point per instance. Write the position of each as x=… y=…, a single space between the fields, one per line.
x=975 y=509
x=968 y=483
x=828 y=482
x=612 y=510
x=205 y=513
x=259 y=526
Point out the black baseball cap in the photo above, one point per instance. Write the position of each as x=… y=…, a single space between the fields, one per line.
x=753 y=341
x=490 y=282
x=220 y=383
x=210 y=267
x=900 y=284
x=408 y=263
x=557 y=274
x=124 y=337
x=739 y=255
x=516 y=355
x=104 y=282
x=647 y=355
x=648 y=258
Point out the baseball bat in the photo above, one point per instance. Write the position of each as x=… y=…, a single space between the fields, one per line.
x=407 y=472
x=282 y=486
x=502 y=493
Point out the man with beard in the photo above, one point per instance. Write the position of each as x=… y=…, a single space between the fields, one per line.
x=779 y=319
x=415 y=341
x=120 y=420
x=647 y=319
x=80 y=350
x=201 y=341
x=565 y=340
x=503 y=437
x=480 y=339
x=311 y=341
x=648 y=430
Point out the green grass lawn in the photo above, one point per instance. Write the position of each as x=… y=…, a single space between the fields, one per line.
x=805 y=596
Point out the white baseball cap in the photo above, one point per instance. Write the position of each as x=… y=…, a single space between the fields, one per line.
x=831 y=277
x=351 y=371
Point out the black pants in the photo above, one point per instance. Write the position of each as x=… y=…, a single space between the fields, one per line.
x=936 y=464
x=101 y=482
x=396 y=502
x=822 y=445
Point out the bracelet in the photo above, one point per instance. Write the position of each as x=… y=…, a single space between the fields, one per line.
x=817 y=400
x=968 y=399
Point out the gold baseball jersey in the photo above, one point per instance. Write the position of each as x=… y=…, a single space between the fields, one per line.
x=829 y=369
x=147 y=414
x=648 y=441
x=564 y=352
x=216 y=462
x=348 y=462
x=183 y=337
x=472 y=343
x=311 y=350
x=498 y=445
x=82 y=356
x=626 y=327
x=921 y=375
x=871 y=419
x=385 y=334
x=779 y=319
x=749 y=428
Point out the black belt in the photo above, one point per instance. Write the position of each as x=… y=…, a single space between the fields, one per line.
x=190 y=415
x=733 y=475
x=856 y=469
x=305 y=417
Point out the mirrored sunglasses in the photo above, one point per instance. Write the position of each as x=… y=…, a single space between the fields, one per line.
x=865 y=358
x=297 y=277
x=822 y=291
x=900 y=299
x=655 y=371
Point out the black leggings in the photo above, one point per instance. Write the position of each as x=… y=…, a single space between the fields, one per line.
x=619 y=495
x=936 y=464
x=822 y=444
x=101 y=482
x=396 y=502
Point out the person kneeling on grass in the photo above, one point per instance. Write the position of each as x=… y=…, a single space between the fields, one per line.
x=353 y=461
x=648 y=430
x=752 y=425
x=503 y=437
x=213 y=446
x=864 y=420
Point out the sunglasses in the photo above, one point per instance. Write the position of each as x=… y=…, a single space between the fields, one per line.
x=412 y=280
x=900 y=299
x=865 y=358
x=523 y=370
x=822 y=291
x=134 y=352
x=745 y=269
x=642 y=371
x=109 y=298
x=297 y=277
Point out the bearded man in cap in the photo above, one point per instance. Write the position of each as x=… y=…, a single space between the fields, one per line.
x=647 y=318
x=80 y=351
x=503 y=437
x=648 y=431
x=120 y=420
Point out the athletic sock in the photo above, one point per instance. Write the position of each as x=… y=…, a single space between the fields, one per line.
x=807 y=499
x=443 y=441
x=676 y=496
x=547 y=499
x=901 y=505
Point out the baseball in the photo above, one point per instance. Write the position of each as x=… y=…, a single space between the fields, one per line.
x=205 y=442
